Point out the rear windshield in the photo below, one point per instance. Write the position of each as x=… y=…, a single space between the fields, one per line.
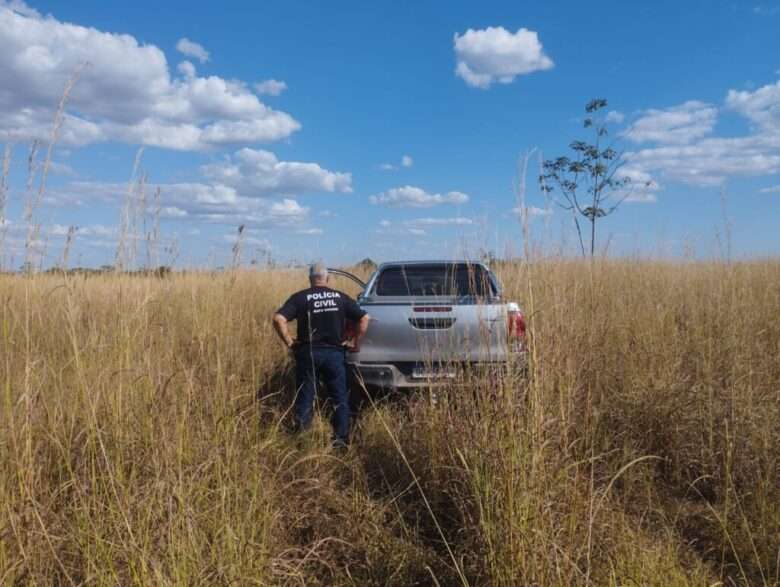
x=435 y=280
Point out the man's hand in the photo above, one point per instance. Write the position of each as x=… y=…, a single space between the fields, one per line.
x=351 y=345
x=280 y=325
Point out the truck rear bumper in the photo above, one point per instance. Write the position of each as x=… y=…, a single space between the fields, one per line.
x=402 y=376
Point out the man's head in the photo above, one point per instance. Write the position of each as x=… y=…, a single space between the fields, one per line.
x=318 y=274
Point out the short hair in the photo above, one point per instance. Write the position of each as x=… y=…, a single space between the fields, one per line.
x=318 y=271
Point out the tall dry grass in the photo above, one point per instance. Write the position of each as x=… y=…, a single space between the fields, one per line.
x=141 y=439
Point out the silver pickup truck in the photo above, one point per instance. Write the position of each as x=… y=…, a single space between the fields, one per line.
x=430 y=320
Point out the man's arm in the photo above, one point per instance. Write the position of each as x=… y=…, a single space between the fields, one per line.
x=361 y=331
x=280 y=326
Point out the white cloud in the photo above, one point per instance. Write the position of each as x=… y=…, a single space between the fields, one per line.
x=761 y=107
x=221 y=205
x=251 y=187
x=287 y=208
x=97 y=230
x=641 y=189
x=775 y=189
x=689 y=156
x=310 y=231
x=247 y=240
x=414 y=197
x=532 y=211
x=270 y=87
x=679 y=125
x=615 y=117
x=490 y=55
x=195 y=201
x=418 y=226
x=456 y=221
x=20 y=7
x=257 y=173
x=187 y=69
x=710 y=161
x=125 y=94
x=406 y=161
x=192 y=49
x=173 y=212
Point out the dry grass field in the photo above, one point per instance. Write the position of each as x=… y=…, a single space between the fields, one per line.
x=142 y=439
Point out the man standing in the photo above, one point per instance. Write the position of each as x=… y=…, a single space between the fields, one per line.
x=320 y=347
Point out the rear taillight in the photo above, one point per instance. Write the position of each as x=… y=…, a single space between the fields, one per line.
x=515 y=327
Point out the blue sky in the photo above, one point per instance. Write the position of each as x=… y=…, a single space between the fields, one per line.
x=342 y=130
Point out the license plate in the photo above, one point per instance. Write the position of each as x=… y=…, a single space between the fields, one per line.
x=433 y=373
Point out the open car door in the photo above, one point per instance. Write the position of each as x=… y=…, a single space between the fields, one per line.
x=348 y=275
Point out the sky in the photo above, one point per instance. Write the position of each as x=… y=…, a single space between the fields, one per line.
x=342 y=130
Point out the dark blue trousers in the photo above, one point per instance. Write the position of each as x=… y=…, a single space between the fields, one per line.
x=311 y=363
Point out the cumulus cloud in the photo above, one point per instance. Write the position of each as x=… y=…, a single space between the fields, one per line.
x=126 y=93
x=414 y=197
x=641 y=189
x=679 y=125
x=615 y=117
x=407 y=161
x=487 y=56
x=686 y=153
x=710 y=161
x=259 y=173
x=192 y=49
x=20 y=7
x=270 y=87
x=775 y=189
x=219 y=204
x=761 y=107
x=250 y=187
x=201 y=202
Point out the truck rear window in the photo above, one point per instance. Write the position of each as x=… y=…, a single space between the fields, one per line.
x=435 y=280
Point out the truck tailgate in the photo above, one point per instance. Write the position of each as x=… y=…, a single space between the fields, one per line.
x=435 y=331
